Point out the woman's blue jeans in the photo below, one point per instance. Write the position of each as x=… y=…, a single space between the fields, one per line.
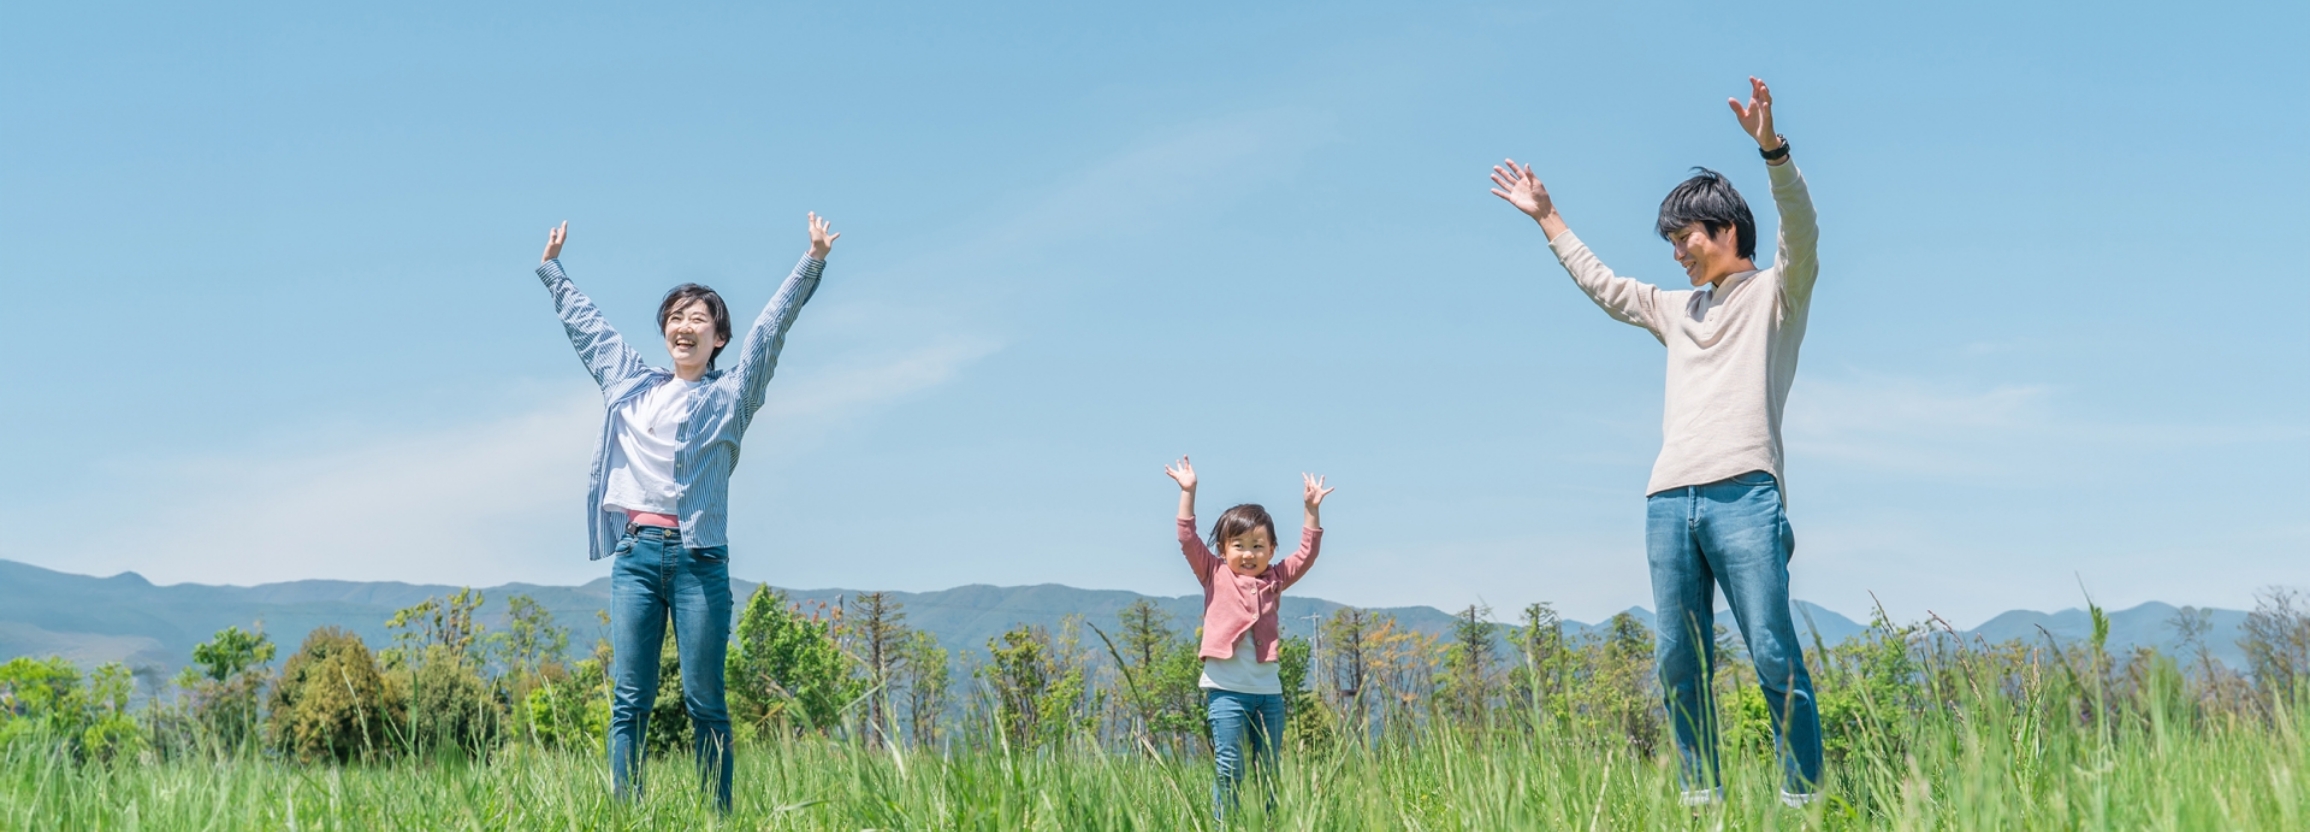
x=1239 y=720
x=1735 y=533
x=656 y=577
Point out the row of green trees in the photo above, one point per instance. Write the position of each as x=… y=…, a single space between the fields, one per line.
x=853 y=670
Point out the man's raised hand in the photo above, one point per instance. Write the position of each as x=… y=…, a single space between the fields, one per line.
x=1757 y=118
x=553 y=240
x=821 y=242
x=1184 y=473
x=1516 y=184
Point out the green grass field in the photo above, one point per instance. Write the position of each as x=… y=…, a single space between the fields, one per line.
x=1970 y=768
x=1922 y=731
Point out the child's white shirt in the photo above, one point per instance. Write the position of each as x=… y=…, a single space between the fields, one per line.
x=1242 y=672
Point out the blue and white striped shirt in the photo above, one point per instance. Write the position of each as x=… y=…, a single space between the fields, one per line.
x=724 y=405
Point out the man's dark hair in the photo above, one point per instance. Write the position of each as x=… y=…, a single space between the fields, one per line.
x=1709 y=199
x=1241 y=520
x=681 y=296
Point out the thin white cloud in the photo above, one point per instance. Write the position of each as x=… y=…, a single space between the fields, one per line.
x=479 y=503
x=501 y=499
x=1914 y=426
x=825 y=394
x=1910 y=426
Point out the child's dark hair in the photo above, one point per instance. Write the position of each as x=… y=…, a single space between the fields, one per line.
x=1241 y=520
x=1709 y=199
x=681 y=296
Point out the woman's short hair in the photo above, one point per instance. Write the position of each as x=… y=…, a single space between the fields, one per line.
x=1241 y=520
x=1709 y=199
x=681 y=296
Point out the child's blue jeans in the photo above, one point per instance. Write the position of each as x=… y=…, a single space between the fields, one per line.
x=1734 y=533
x=1239 y=720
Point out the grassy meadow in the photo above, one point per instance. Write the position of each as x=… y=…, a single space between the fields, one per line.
x=1491 y=727
x=1977 y=770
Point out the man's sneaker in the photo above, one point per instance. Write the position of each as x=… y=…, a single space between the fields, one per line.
x=1799 y=801
x=1702 y=797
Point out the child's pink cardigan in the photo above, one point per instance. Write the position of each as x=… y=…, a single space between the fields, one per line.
x=1233 y=603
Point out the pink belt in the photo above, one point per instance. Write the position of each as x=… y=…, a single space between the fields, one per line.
x=651 y=518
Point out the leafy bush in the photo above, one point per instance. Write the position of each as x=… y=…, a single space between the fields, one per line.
x=436 y=663
x=1865 y=688
x=1038 y=684
x=226 y=685
x=47 y=700
x=571 y=708
x=786 y=672
x=451 y=707
x=332 y=703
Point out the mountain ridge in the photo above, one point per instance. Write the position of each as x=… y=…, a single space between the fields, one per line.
x=153 y=628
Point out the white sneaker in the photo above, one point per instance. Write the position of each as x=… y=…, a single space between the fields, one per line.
x=1799 y=801
x=1702 y=797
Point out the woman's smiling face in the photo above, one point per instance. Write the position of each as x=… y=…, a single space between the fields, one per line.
x=690 y=337
x=1249 y=552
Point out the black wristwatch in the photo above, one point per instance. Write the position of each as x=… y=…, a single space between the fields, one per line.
x=1778 y=153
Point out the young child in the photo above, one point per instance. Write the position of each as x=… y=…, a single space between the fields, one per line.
x=1242 y=685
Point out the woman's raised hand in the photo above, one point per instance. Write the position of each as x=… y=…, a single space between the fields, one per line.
x=821 y=242
x=553 y=240
x=1757 y=118
x=1184 y=473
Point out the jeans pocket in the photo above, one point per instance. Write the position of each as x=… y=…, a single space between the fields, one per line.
x=625 y=547
x=712 y=554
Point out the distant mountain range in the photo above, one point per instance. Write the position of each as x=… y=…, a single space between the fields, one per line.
x=153 y=629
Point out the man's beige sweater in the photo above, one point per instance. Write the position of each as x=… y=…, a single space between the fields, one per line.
x=1732 y=348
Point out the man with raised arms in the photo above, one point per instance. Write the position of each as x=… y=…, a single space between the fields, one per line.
x=1715 y=513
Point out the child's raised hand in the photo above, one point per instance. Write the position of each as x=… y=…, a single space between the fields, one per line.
x=1315 y=491
x=1184 y=473
x=1313 y=497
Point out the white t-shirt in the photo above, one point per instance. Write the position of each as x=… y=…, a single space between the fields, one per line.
x=642 y=458
x=1243 y=672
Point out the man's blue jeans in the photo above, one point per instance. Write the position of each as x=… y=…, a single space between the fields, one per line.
x=1734 y=533
x=1238 y=720
x=655 y=577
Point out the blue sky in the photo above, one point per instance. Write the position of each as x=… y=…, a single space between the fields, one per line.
x=269 y=298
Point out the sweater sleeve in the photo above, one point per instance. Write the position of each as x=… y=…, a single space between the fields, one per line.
x=1296 y=566
x=1199 y=557
x=1798 y=257
x=1627 y=301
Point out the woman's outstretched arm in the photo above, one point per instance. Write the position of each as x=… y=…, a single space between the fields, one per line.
x=758 y=355
x=598 y=344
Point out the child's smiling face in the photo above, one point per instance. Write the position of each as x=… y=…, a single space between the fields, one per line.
x=1249 y=552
